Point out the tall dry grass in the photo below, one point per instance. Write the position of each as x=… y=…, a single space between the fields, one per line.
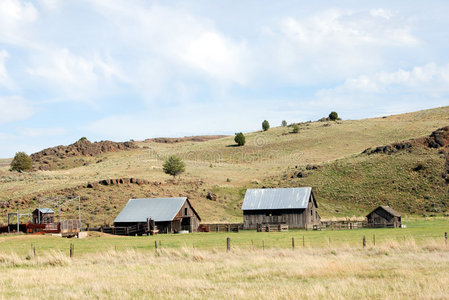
x=392 y=270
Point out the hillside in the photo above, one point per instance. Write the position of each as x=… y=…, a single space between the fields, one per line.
x=347 y=182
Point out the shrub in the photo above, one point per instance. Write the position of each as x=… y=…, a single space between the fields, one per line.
x=265 y=125
x=295 y=128
x=284 y=123
x=174 y=166
x=240 y=139
x=21 y=162
x=333 y=116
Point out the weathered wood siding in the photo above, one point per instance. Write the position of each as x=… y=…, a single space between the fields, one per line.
x=380 y=217
x=294 y=218
x=184 y=216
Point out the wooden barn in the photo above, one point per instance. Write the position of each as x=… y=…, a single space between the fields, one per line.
x=170 y=215
x=43 y=216
x=384 y=216
x=295 y=207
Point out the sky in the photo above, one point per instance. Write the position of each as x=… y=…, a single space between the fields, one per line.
x=134 y=69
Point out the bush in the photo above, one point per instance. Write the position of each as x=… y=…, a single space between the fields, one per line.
x=284 y=123
x=333 y=116
x=21 y=162
x=295 y=128
x=174 y=166
x=265 y=125
x=240 y=139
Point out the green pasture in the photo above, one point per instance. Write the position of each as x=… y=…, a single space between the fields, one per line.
x=420 y=230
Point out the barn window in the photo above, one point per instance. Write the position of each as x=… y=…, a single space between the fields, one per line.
x=185 y=211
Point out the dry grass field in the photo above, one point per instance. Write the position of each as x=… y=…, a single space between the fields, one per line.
x=389 y=271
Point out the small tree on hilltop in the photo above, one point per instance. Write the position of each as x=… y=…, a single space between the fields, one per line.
x=265 y=125
x=295 y=128
x=21 y=162
x=174 y=166
x=333 y=116
x=284 y=123
x=240 y=139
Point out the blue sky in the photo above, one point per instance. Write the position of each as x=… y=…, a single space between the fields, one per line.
x=129 y=69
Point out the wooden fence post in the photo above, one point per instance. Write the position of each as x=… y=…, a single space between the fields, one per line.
x=374 y=239
x=445 y=238
x=33 y=248
x=228 y=244
x=293 y=243
x=303 y=242
x=155 y=246
x=71 y=250
x=263 y=245
x=364 y=242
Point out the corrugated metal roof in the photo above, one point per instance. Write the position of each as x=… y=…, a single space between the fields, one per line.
x=46 y=210
x=280 y=198
x=158 y=209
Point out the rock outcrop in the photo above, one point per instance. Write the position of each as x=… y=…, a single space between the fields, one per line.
x=50 y=157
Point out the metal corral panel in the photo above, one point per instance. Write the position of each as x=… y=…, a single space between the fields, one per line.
x=157 y=209
x=281 y=198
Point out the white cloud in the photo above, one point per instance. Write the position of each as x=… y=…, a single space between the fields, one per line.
x=76 y=76
x=350 y=28
x=335 y=44
x=217 y=56
x=42 y=132
x=389 y=92
x=187 y=44
x=51 y=5
x=14 y=15
x=428 y=78
x=5 y=80
x=14 y=109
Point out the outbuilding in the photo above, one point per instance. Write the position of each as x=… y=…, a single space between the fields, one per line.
x=43 y=216
x=170 y=215
x=384 y=216
x=295 y=207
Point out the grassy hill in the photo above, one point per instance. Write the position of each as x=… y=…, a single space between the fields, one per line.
x=346 y=182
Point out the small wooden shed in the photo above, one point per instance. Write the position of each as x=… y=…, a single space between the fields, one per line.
x=295 y=207
x=384 y=216
x=43 y=216
x=170 y=215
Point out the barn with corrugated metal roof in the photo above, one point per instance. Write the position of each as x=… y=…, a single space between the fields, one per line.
x=295 y=207
x=170 y=215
